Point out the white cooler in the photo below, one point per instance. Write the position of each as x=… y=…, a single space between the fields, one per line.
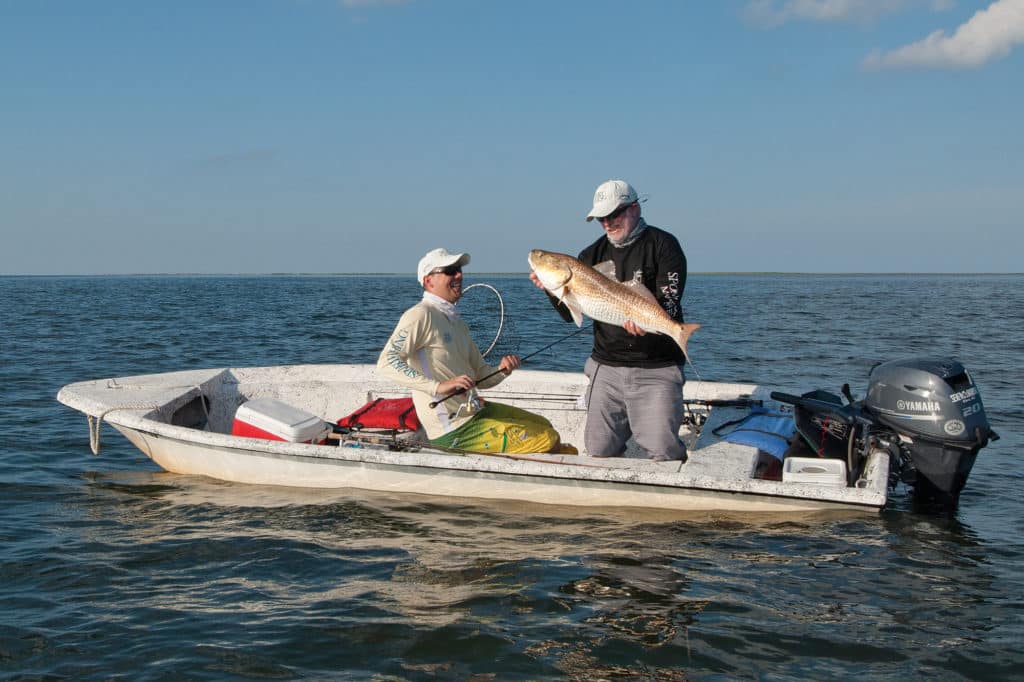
x=275 y=420
x=818 y=471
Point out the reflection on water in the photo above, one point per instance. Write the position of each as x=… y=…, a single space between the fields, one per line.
x=109 y=568
x=578 y=592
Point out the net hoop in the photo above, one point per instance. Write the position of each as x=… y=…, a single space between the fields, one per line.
x=501 y=318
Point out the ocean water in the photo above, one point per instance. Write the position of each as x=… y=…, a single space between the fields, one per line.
x=110 y=568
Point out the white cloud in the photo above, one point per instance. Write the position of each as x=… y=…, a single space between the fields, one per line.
x=777 y=12
x=990 y=34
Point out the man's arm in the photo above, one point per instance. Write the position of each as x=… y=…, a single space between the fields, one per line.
x=404 y=341
x=671 y=277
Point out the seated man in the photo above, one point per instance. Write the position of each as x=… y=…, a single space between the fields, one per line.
x=432 y=353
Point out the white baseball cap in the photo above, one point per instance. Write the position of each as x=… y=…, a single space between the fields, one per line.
x=439 y=258
x=609 y=196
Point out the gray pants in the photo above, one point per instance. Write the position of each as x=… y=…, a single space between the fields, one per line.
x=646 y=404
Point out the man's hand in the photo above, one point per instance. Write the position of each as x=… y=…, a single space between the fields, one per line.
x=631 y=327
x=509 y=363
x=462 y=382
x=536 y=280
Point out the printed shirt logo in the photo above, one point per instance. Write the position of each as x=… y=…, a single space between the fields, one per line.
x=395 y=353
x=670 y=296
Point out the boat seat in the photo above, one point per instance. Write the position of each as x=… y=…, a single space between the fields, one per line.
x=720 y=457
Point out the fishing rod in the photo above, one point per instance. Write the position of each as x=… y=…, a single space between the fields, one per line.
x=460 y=391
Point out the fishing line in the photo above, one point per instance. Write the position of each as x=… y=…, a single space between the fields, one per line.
x=695 y=372
x=690 y=416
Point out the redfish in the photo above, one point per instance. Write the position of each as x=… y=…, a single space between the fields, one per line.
x=585 y=291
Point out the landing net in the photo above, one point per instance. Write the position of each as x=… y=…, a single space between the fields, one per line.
x=483 y=310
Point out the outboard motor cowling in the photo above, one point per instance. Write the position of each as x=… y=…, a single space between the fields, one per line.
x=936 y=410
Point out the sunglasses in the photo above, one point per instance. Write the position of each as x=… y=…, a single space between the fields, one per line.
x=616 y=213
x=450 y=270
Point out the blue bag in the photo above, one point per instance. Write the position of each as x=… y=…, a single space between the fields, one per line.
x=765 y=430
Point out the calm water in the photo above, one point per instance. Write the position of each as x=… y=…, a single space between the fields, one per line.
x=111 y=569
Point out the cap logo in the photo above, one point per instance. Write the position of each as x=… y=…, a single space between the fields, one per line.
x=602 y=196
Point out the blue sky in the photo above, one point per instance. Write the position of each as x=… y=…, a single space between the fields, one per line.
x=354 y=135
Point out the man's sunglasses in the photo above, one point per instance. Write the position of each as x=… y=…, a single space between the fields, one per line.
x=450 y=270
x=616 y=213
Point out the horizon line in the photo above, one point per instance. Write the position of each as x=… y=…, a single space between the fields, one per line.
x=497 y=272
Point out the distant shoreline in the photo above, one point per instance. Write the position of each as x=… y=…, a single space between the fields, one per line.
x=508 y=274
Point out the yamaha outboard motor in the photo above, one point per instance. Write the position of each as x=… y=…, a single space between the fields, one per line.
x=926 y=411
x=936 y=410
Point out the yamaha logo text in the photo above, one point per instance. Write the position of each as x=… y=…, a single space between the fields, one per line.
x=917 y=406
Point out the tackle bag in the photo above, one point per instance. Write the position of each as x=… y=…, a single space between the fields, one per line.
x=384 y=413
x=767 y=431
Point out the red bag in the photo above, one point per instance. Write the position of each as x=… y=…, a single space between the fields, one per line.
x=384 y=413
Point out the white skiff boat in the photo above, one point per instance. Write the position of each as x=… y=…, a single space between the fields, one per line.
x=183 y=422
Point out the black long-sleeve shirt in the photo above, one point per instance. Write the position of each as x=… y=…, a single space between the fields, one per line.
x=657 y=260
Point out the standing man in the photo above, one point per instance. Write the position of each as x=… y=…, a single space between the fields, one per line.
x=432 y=353
x=636 y=378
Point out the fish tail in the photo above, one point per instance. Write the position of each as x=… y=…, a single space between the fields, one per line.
x=682 y=335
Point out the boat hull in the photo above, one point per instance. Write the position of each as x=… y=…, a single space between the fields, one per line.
x=325 y=471
x=183 y=422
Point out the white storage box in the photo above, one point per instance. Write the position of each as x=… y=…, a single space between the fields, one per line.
x=274 y=420
x=829 y=472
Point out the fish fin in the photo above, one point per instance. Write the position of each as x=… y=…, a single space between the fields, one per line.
x=607 y=269
x=638 y=287
x=682 y=334
x=577 y=316
x=573 y=306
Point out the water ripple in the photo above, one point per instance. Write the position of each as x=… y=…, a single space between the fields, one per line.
x=111 y=568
